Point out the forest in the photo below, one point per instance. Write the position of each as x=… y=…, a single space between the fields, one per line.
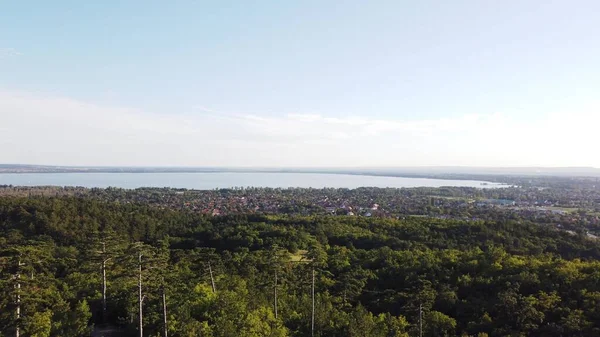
x=76 y=266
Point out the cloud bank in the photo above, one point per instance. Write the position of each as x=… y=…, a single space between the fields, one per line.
x=38 y=129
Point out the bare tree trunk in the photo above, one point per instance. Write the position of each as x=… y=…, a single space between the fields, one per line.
x=275 y=293
x=212 y=280
x=140 y=298
x=104 y=291
x=313 y=304
x=421 y=320
x=18 y=309
x=104 y=282
x=164 y=300
x=18 y=299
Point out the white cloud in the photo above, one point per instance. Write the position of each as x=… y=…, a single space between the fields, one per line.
x=63 y=131
x=9 y=52
x=202 y=108
x=297 y=125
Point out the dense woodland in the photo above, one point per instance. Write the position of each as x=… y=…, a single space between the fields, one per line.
x=252 y=274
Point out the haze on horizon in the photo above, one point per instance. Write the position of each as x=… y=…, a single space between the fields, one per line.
x=300 y=84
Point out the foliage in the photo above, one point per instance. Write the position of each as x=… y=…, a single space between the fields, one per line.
x=471 y=278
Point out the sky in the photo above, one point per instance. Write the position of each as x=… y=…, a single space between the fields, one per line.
x=307 y=83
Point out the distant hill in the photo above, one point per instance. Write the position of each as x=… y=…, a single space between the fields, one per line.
x=434 y=171
x=526 y=171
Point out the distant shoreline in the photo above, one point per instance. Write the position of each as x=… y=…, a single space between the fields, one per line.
x=220 y=180
x=494 y=175
x=351 y=173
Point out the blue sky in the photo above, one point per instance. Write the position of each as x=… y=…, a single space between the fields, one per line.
x=300 y=83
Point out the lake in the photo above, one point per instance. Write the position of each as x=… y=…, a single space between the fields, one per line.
x=208 y=181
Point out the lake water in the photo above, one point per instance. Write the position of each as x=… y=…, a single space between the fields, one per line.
x=208 y=181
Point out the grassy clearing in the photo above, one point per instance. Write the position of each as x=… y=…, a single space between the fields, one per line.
x=300 y=256
x=563 y=209
x=451 y=198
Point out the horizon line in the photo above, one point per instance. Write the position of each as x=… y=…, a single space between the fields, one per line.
x=299 y=167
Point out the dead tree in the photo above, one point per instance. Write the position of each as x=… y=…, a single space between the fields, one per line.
x=18 y=298
x=140 y=297
x=420 y=320
x=104 y=298
x=151 y=268
x=16 y=258
x=312 y=329
x=275 y=294
x=164 y=303
x=212 y=279
x=105 y=247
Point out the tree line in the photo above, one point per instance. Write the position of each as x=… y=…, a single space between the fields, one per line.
x=72 y=265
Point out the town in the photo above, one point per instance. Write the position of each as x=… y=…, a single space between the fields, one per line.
x=573 y=208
